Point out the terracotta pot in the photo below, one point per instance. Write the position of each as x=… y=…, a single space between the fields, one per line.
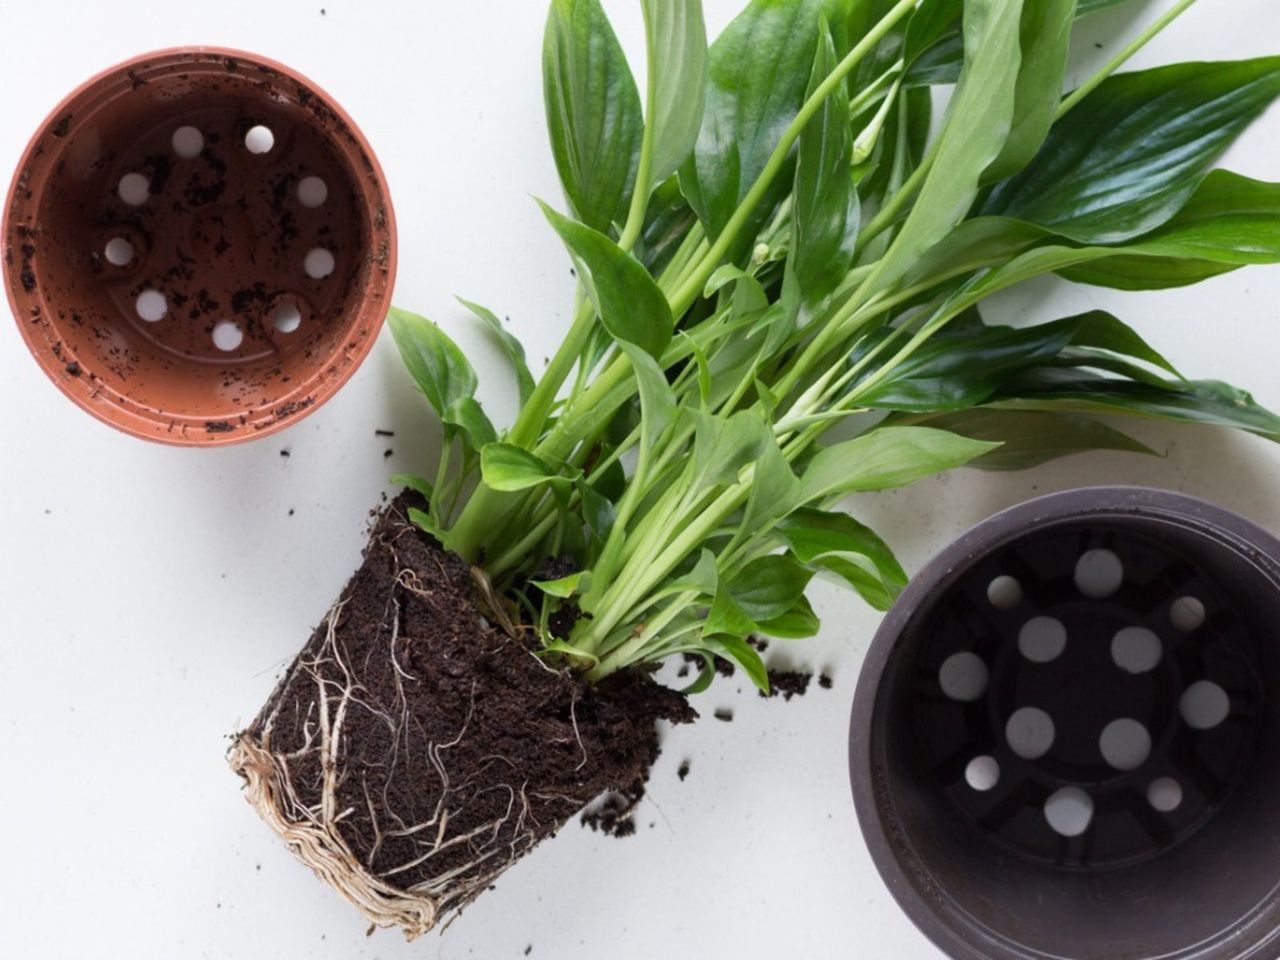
x=199 y=246
x=1064 y=735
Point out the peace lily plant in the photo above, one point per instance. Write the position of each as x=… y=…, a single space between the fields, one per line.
x=775 y=244
x=781 y=256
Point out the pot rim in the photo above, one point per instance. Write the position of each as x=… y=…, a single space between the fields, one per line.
x=950 y=928
x=41 y=350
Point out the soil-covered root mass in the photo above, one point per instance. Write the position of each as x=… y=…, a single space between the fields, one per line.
x=412 y=752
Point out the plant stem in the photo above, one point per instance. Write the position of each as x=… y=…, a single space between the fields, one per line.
x=692 y=287
x=1114 y=64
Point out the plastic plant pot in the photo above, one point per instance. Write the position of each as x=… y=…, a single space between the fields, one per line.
x=1064 y=736
x=198 y=246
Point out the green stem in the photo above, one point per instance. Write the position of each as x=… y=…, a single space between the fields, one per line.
x=692 y=287
x=1116 y=62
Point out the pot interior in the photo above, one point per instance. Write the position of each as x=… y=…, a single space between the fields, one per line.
x=1075 y=739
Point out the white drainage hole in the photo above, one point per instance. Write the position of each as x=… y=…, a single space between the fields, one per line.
x=1125 y=744
x=1204 y=705
x=151 y=305
x=187 y=142
x=259 y=139
x=1069 y=811
x=982 y=773
x=963 y=677
x=1136 y=650
x=118 y=251
x=134 y=189
x=318 y=263
x=1042 y=639
x=1029 y=732
x=1165 y=794
x=312 y=192
x=1004 y=593
x=287 y=318
x=1186 y=613
x=227 y=335
x=1099 y=573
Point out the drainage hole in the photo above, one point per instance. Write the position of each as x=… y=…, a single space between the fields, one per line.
x=1042 y=639
x=187 y=142
x=318 y=263
x=286 y=318
x=118 y=251
x=259 y=139
x=1136 y=650
x=1069 y=811
x=312 y=192
x=1165 y=794
x=963 y=677
x=982 y=773
x=1186 y=613
x=1030 y=733
x=134 y=189
x=1125 y=744
x=1004 y=593
x=227 y=335
x=1204 y=705
x=151 y=305
x=1099 y=573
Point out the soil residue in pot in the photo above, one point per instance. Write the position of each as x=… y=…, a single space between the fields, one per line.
x=430 y=749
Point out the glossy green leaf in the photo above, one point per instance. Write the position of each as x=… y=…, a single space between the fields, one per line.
x=565 y=587
x=1188 y=401
x=510 y=344
x=796 y=624
x=1093 y=6
x=423 y=521
x=824 y=213
x=1045 y=36
x=629 y=303
x=1027 y=438
x=594 y=117
x=657 y=399
x=415 y=483
x=973 y=134
x=744 y=655
x=508 y=468
x=769 y=586
x=677 y=44
x=726 y=616
x=758 y=71
x=775 y=491
x=723 y=446
x=1127 y=158
x=884 y=458
x=837 y=544
x=1229 y=221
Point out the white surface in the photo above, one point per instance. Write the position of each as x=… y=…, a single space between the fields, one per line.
x=148 y=595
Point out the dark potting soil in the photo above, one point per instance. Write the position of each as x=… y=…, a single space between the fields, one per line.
x=788 y=683
x=457 y=749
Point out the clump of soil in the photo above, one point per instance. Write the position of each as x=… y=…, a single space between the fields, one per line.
x=412 y=752
x=788 y=683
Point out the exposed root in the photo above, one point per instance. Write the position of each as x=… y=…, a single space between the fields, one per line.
x=411 y=752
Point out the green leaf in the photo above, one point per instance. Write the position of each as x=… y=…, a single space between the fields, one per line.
x=758 y=71
x=1027 y=438
x=629 y=303
x=657 y=399
x=824 y=213
x=436 y=364
x=593 y=111
x=423 y=520
x=796 y=624
x=745 y=655
x=1133 y=151
x=836 y=543
x=722 y=446
x=443 y=374
x=565 y=587
x=973 y=134
x=598 y=513
x=1229 y=221
x=1045 y=36
x=769 y=586
x=510 y=344
x=1092 y=6
x=677 y=43
x=507 y=468
x=775 y=492
x=415 y=483
x=726 y=616
x=883 y=458
x=1187 y=401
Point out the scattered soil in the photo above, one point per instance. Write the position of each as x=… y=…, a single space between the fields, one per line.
x=788 y=683
x=683 y=771
x=725 y=714
x=429 y=748
x=824 y=681
x=384 y=433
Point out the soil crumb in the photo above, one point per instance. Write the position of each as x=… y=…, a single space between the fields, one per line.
x=788 y=683
x=683 y=771
x=824 y=681
x=724 y=714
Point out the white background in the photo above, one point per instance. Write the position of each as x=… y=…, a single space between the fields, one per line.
x=149 y=595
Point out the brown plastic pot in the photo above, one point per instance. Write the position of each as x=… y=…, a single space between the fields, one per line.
x=199 y=246
x=1102 y=789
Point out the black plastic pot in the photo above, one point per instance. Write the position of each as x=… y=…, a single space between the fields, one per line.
x=1065 y=743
